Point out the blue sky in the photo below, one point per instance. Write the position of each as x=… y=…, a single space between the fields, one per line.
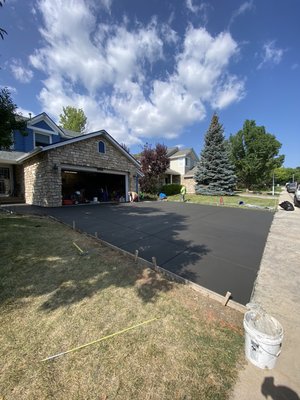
x=155 y=71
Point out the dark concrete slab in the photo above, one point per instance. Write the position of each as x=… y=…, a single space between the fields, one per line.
x=217 y=247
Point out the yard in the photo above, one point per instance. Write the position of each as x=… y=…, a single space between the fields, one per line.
x=231 y=201
x=53 y=299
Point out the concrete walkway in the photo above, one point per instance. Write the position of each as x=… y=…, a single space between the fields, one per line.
x=277 y=290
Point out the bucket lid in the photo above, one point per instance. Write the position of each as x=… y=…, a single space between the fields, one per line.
x=257 y=319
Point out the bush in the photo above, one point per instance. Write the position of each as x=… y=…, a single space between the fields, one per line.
x=171 y=188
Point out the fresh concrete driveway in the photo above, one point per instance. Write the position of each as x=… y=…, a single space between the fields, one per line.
x=219 y=248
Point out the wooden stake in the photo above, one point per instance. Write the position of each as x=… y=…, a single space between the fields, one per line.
x=226 y=298
x=136 y=255
x=74 y=225
x=154 y=262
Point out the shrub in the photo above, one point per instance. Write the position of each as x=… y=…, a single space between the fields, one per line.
x=171 y=188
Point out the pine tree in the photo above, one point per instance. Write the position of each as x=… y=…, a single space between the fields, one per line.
x=214 y=173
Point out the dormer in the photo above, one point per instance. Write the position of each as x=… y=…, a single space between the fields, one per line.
x=41 y=131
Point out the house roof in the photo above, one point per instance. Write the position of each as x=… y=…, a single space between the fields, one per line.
x=182 y=153
x=45 y=117
x=172 y=150
x=190 y=173
x=11 y=157
x=170 y=171
x=79 y=139
x=70 y=133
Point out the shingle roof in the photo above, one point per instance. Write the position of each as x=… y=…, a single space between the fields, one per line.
x=191 y=172
x=11 y=156
x=70 y=133
x=172 y=172
x=182 y=152
x=171 y=150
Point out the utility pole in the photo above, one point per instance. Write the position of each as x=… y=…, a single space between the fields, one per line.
x=273 y=185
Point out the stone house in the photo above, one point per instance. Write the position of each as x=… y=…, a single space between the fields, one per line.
x=51 y=166
x=181 y=170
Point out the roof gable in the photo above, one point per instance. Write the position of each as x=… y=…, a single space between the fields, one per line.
x=81 y=138
x=44 y=123
x=184 y=153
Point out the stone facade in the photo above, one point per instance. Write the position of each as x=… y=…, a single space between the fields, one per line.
x=42 y=173
x=189 y=183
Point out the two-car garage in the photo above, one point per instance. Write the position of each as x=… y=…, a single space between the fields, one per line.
x=85 y=185
x=91 y=167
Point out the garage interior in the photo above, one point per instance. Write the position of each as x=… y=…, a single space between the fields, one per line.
x=85 y=187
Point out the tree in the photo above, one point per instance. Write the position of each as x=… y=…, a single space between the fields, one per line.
x=214 y=173
x=2 y=31
x=254 y=153
x=9 y=120
x=73 y=118
x=154 y=164
x=283 y=175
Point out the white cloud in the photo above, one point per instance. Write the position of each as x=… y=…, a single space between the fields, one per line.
x=107 y=71
x=199 y=9
x=244 y=7
x=270 y=55
x=21 y=73
x=25 y=112
x=231 y=92
x=203 y=61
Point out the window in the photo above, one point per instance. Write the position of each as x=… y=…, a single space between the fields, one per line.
x=5 y=181
x=187 y=162
x=101 y=147
x=41 y=140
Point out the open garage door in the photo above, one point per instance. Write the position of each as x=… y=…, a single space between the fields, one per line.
x=86 y=186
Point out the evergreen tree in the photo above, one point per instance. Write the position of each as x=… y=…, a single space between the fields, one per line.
x=214 y=173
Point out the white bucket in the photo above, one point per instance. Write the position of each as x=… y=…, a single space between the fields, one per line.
x=263 y=339
x=95 y=200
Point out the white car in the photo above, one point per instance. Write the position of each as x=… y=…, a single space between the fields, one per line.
x=297 y=197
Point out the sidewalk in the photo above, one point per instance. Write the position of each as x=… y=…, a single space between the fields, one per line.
x=277 y=290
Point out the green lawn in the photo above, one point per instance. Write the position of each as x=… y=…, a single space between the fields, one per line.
x=229 y=201
x=53 y=299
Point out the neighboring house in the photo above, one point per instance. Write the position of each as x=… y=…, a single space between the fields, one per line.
x=182 y=165
x=50 y=164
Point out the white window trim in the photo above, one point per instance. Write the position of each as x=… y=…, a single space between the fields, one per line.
x=41 y=133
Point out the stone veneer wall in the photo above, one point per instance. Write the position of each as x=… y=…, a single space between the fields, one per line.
x=189 y=183
x=43 y=183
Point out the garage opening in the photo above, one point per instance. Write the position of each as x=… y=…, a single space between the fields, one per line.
x=85 y=187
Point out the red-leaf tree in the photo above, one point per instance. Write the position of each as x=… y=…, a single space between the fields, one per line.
x=154 y=164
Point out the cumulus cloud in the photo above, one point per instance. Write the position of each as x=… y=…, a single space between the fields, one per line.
x=271 y=55
x=21 y=73
x=25 y=112
x=108 y=70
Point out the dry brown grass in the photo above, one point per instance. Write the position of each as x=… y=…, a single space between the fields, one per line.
x=52 y=299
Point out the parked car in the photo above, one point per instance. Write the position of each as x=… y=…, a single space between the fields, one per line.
x=291 y=187
x=297 y=197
